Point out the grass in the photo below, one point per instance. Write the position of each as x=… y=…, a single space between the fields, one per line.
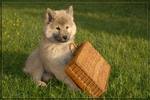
x=117 y=31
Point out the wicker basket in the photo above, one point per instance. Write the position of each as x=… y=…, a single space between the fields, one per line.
x=89 y=70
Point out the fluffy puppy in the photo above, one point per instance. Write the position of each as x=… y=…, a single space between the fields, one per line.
x=53 y=53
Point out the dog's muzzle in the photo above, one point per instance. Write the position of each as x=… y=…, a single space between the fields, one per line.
x=62 y=37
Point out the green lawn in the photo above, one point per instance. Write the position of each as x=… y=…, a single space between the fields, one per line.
x=117 y=30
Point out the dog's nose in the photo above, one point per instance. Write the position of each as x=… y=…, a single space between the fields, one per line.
x=65 y=37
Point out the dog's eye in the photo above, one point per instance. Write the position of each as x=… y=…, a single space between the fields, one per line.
x=67 y=27
x=57 y=28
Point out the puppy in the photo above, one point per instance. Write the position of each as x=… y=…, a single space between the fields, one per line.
x=53 y=53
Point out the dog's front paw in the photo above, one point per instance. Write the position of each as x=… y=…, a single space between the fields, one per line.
x=41 y=83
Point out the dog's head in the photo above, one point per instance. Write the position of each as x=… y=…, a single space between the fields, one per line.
x=59 y=25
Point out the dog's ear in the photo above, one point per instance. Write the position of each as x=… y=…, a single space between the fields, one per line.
x=49 y=15
x=70 y=10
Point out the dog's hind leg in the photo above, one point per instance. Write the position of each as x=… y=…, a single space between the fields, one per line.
x=34 y=68
x=47 y=76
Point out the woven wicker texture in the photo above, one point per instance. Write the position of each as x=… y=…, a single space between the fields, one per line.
x=89 y=70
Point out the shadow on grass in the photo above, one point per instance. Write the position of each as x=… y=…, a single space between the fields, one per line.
x=114 y=25
x=13 y=62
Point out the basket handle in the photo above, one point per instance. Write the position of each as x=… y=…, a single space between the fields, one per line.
x=72 y=47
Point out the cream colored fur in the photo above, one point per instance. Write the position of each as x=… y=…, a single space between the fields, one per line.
x=51 y=57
